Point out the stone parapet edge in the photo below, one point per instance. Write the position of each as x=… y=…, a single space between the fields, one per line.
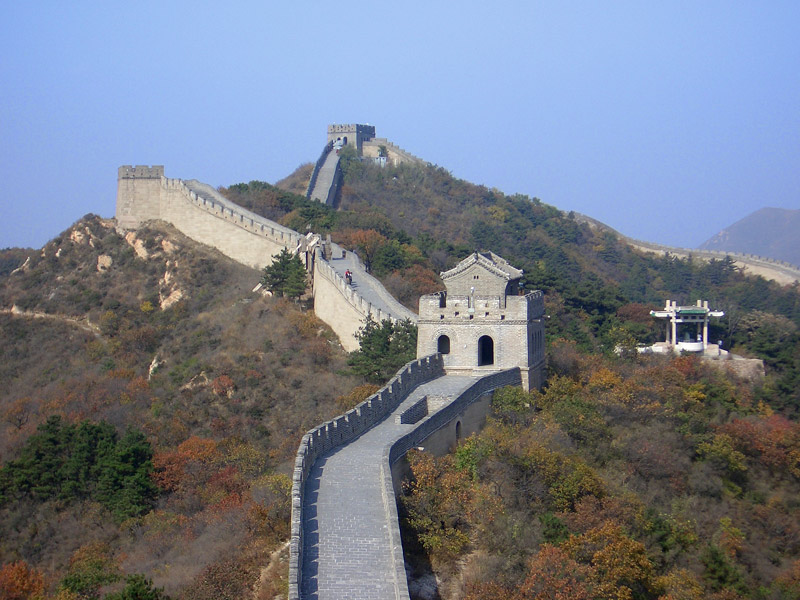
x=393 y=452
x=239 y=216
x=320 y=161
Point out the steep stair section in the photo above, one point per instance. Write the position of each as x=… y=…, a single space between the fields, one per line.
x=327 y=180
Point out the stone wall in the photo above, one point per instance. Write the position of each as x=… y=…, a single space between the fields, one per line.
x=356 y=134
x=203 y=215
x=198 y=211
x=778 y=270
x=342 y=430
x=438 y=433
x=317 y=166
x=341 y=307
x=396 y=155
x=515 y=325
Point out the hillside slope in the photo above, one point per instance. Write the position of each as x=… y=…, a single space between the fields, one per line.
x=770 y=232
x=157 y=334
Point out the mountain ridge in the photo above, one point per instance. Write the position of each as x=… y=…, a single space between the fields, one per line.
x=769 y=231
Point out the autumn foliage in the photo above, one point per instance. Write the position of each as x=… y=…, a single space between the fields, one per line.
x=18 y=581
x=621 y=480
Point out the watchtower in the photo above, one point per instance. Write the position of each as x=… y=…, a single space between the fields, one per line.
x=138 y=194
x=353 y=134
x=483 y=322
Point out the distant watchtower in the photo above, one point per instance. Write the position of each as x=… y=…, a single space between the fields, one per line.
x=353 y=135
x=138 y=194
x=482 y=323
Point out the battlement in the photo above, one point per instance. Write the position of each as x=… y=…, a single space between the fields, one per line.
x=368 y=131
x=140 y=172
x=482 y=322
x=352 y=134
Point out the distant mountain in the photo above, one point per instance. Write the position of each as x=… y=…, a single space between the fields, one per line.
x=769 y=232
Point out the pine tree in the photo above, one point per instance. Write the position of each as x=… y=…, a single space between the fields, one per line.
x=286 y=276
x=384 y=348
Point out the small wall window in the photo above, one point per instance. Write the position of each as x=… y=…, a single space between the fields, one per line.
x=443 y=345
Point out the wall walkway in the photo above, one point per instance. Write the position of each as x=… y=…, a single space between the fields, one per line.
x=345 y=530
x=326 y=179
x=345 y=306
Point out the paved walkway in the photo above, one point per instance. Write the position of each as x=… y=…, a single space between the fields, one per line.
x=367 y=286
x=322 y=187
x=347 y=554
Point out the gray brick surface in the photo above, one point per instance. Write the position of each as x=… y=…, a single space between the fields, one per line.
x=348 y=553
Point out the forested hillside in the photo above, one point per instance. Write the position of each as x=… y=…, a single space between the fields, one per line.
x=656 y=478
x=411 y=222
x=151 y=409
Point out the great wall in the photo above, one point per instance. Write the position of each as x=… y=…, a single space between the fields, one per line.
x=345 y=544
x=780 y=271
x=453 y=405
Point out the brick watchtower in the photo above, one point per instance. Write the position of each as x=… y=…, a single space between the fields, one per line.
x=482 y=323
x=353 y=134
x=138 y=195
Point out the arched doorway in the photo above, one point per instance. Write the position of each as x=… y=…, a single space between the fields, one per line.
x=458 y=431
x=485 y=351
x=443 y=345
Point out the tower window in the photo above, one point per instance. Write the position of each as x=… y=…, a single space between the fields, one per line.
x=485 y=351
x=443 y=345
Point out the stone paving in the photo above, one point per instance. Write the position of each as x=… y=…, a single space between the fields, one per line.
x=347 y=552
x=325 y=177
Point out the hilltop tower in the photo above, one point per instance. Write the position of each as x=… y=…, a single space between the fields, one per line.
x=353 y=134
x=138 y=194
x=482 y=322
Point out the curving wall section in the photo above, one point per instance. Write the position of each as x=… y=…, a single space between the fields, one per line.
x=343 y=308
x=200 y=212
x=342 y=430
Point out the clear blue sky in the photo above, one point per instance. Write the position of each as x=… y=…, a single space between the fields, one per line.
x=666 y=120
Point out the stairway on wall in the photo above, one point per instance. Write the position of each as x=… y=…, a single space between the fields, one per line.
x=326 y=179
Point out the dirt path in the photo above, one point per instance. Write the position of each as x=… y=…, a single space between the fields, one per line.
x=81 y=322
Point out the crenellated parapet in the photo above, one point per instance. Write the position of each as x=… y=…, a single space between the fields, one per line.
x=200 y=212
x=203 y=214
x=140 y=172
x=354 y=134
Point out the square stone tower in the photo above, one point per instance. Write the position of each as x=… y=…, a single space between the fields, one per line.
x=482 y=323
x=138 y=195
x=352 y=134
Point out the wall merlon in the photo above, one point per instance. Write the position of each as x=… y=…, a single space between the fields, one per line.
x=140 y=172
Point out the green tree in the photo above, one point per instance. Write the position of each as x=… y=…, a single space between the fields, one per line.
x=87 y=460
x=138 y=587
x=286 y=276
x=124 y=485
x=384 y=348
